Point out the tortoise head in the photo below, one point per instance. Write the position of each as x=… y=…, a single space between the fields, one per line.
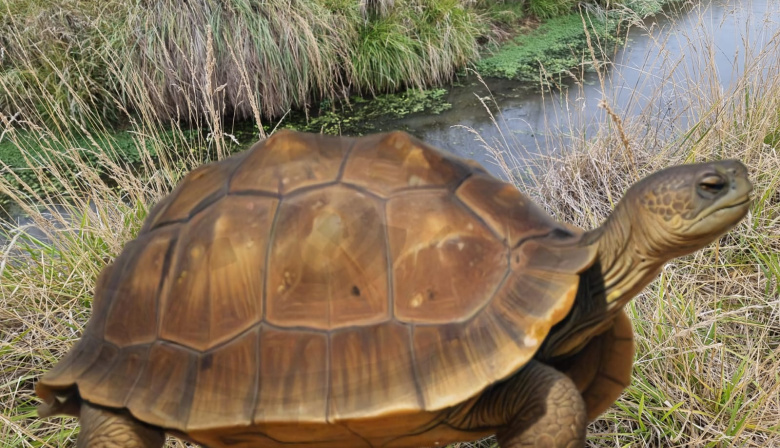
x=683 y=208
x=668 y=214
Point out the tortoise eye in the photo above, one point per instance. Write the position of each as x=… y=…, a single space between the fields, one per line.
x=712 y=184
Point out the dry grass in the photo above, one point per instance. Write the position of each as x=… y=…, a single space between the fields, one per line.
x=269 y=56
x=708 y=330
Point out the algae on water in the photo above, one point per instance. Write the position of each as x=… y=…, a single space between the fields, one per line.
x=357 y=117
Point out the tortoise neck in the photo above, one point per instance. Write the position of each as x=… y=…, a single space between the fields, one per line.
x=624 y=267
x=620 y=271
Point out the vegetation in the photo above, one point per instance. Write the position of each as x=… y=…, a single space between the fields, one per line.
x=552 y=50
x=546 y=9
x=107 y=65
x=359 y=117
x=265 y=57
x=708 y=329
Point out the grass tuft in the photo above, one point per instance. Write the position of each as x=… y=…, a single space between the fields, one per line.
x=266 y=57
x=708 y=329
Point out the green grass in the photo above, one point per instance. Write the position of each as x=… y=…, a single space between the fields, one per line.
x=21 y=149
x=707 y=330
x=546 y=9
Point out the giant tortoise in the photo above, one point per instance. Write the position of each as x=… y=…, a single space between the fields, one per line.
x=321 y=291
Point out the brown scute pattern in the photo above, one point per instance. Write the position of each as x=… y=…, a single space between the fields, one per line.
x=280 y=435
x=444 y=365
x=214 y=290
x=199 y=188
x=154 y=213
x=447 y=264
x=532 y=301
x=327 y=436
x=138 y=291
x=371 y=372
x=383 y=430
x=551 y=255
x=387 y=163
x=109 y=285
x=511 y=214
x=107 y=354
x=329 y=261
x=163 y=394
x=340 y=275
x=225 y=384
x=293 y=376
x=288 y=161
x=494 y=352
x=99 y=300
x=78 y=359
x=113 y=388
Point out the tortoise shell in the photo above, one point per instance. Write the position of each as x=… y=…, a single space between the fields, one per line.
x=317 y=280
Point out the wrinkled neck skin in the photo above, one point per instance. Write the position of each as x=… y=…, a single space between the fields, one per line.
x=624 y=266
x=628 y=263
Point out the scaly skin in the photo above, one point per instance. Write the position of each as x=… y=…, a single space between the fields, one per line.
x=671 y=213
x=538 y=407
x=105 y=429
x=560 y=417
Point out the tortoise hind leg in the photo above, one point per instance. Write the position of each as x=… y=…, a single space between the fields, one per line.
x=101 y=428
x=539 y=407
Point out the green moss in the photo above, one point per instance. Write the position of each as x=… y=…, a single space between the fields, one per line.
x=558 y=45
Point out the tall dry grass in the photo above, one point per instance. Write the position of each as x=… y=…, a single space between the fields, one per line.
x=708 y=330
x=267 y=56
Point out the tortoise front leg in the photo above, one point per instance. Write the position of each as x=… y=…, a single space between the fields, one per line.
x=539 y=407
x=101 y=428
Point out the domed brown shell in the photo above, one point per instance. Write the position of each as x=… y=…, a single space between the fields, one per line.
x=317 y=279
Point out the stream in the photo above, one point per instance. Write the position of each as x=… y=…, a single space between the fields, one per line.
x=650 y=61
x=655 y=58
